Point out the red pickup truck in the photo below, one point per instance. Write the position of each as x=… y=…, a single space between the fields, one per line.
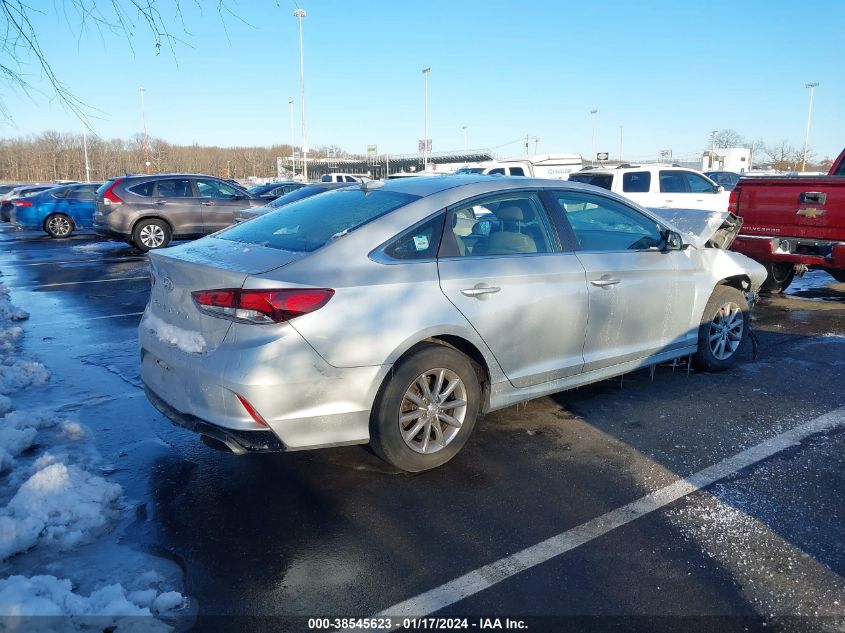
x=789 y=221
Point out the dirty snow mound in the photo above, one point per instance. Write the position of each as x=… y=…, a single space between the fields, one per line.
x=66 y=504
x=21 y=374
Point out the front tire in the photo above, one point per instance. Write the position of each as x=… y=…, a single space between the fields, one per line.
x=426 y=411
x=779 y=277
x=724 y=328
x=151 y=234
x=58 y=226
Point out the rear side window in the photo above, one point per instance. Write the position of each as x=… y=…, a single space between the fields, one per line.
x=636 y=182
x=517 y=171
x=144 y=189
x=174 y=188
x=605 y=181
x=326 y=178
x=60 y=193
x=498 y=170
x=83 y=193
x=307 y=225
x=421 y=242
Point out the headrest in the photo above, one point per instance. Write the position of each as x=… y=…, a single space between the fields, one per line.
x=510 y=214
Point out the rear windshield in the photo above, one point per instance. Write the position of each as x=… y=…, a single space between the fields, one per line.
x=307 y=225
x=605 y=181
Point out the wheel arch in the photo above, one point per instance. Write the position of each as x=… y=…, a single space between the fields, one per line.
x=150 y=217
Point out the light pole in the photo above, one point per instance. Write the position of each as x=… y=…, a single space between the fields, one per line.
x=812 y=86
x=593 y=114
x=85 y=150
x=466 y=146
x=144 y=122
x=621 y=141
x=300 y=13
x=425 y=72
x=292 y=141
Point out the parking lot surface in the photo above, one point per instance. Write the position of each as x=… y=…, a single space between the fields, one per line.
x=267 y=541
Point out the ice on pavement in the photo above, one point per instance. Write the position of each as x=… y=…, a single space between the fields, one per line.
x=52 y=504
x=186 y=340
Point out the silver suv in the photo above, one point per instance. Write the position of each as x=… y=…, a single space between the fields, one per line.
x=150 y=211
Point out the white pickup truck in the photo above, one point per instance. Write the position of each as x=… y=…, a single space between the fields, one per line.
x=658 y=186
x=551 y=166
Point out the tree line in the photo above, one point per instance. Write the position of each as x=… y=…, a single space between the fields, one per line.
x=60 y=156
x=780 y=156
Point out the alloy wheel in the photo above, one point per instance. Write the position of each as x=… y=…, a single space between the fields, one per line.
x=726 y=331
x=152 y=236
x=433 y=410
x=58 y=226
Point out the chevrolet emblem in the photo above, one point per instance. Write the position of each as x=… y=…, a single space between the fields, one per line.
x=810 y=213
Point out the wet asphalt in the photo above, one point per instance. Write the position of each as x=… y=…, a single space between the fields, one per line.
x=267 y=541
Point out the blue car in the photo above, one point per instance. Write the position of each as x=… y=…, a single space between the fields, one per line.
x=59 y=211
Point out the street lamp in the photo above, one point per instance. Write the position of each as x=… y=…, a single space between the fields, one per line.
x=593 y=114
x=85 y=148
x=292 y=142
x=300 y=13
x=621 y=141
x=144 y=122
x=425 y=72
x=812 y=86
x=466 y=146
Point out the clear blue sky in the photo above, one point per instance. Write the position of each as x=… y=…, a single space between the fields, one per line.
x=668 y=71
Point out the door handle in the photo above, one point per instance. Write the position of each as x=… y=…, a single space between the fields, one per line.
x=480 y=290
x=206 y=204
x=160 y=202
x=812 y=197
x=605 y=282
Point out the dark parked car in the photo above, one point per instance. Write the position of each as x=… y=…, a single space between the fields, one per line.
x=22 y=191
x=300 y=194
x=273 y=190
x=58 y=211
x=728 y=179
x=150 y=211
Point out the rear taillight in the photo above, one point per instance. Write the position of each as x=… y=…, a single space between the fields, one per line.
x=261 y=306
x=733 y=201
x=109 y=196
x=22 y=203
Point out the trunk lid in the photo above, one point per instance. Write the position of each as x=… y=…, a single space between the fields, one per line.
x=702 y=228
x=207 y=264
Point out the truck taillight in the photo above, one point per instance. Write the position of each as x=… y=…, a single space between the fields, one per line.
x=261 y=306
x=109 y=196
x=733 y=201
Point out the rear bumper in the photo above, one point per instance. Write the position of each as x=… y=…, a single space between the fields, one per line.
x=103 y=230
x=305 y=402
x=793 y=250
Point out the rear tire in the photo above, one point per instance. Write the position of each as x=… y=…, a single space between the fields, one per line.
x=724 y=328
x=58 y=226
x=426 y=410
x=779 y=278
x=151 y=234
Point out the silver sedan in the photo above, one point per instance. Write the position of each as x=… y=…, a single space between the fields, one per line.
x=396 y=313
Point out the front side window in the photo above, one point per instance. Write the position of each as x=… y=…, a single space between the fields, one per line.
x=216 y=189
x=517 y=171
x=326 y=178
x=636 y=182
x=174 y=188
x=504 y=224
x=601 y=224
x=421 y=242
x=498 y=170
x=307 y=225
x=698 y=184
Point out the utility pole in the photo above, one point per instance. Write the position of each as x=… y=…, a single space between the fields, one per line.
x=292 y=142
x=593 y=114
x=621 y=141
x=146 y=144
x=300 y=13
x=812 y=86
x=85 y=150
x=425 y=71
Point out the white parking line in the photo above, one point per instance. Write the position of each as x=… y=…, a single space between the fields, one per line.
x=85 y=261
x=75 y=283
x=475 y=581
x=110 y=316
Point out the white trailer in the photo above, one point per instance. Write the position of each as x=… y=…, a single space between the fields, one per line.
x=551 y=166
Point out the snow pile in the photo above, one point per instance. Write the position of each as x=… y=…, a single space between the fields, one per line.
x=53 y=505
x=61 y=506
x=186 y=340
x=106 y=608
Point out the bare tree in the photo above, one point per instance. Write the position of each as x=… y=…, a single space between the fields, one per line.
x=783 y=156
x=757 y=148
x=21 y=51
x=728 y=138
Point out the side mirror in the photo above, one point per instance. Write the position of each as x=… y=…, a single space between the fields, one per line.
x=718 y=189
x=672 y=241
